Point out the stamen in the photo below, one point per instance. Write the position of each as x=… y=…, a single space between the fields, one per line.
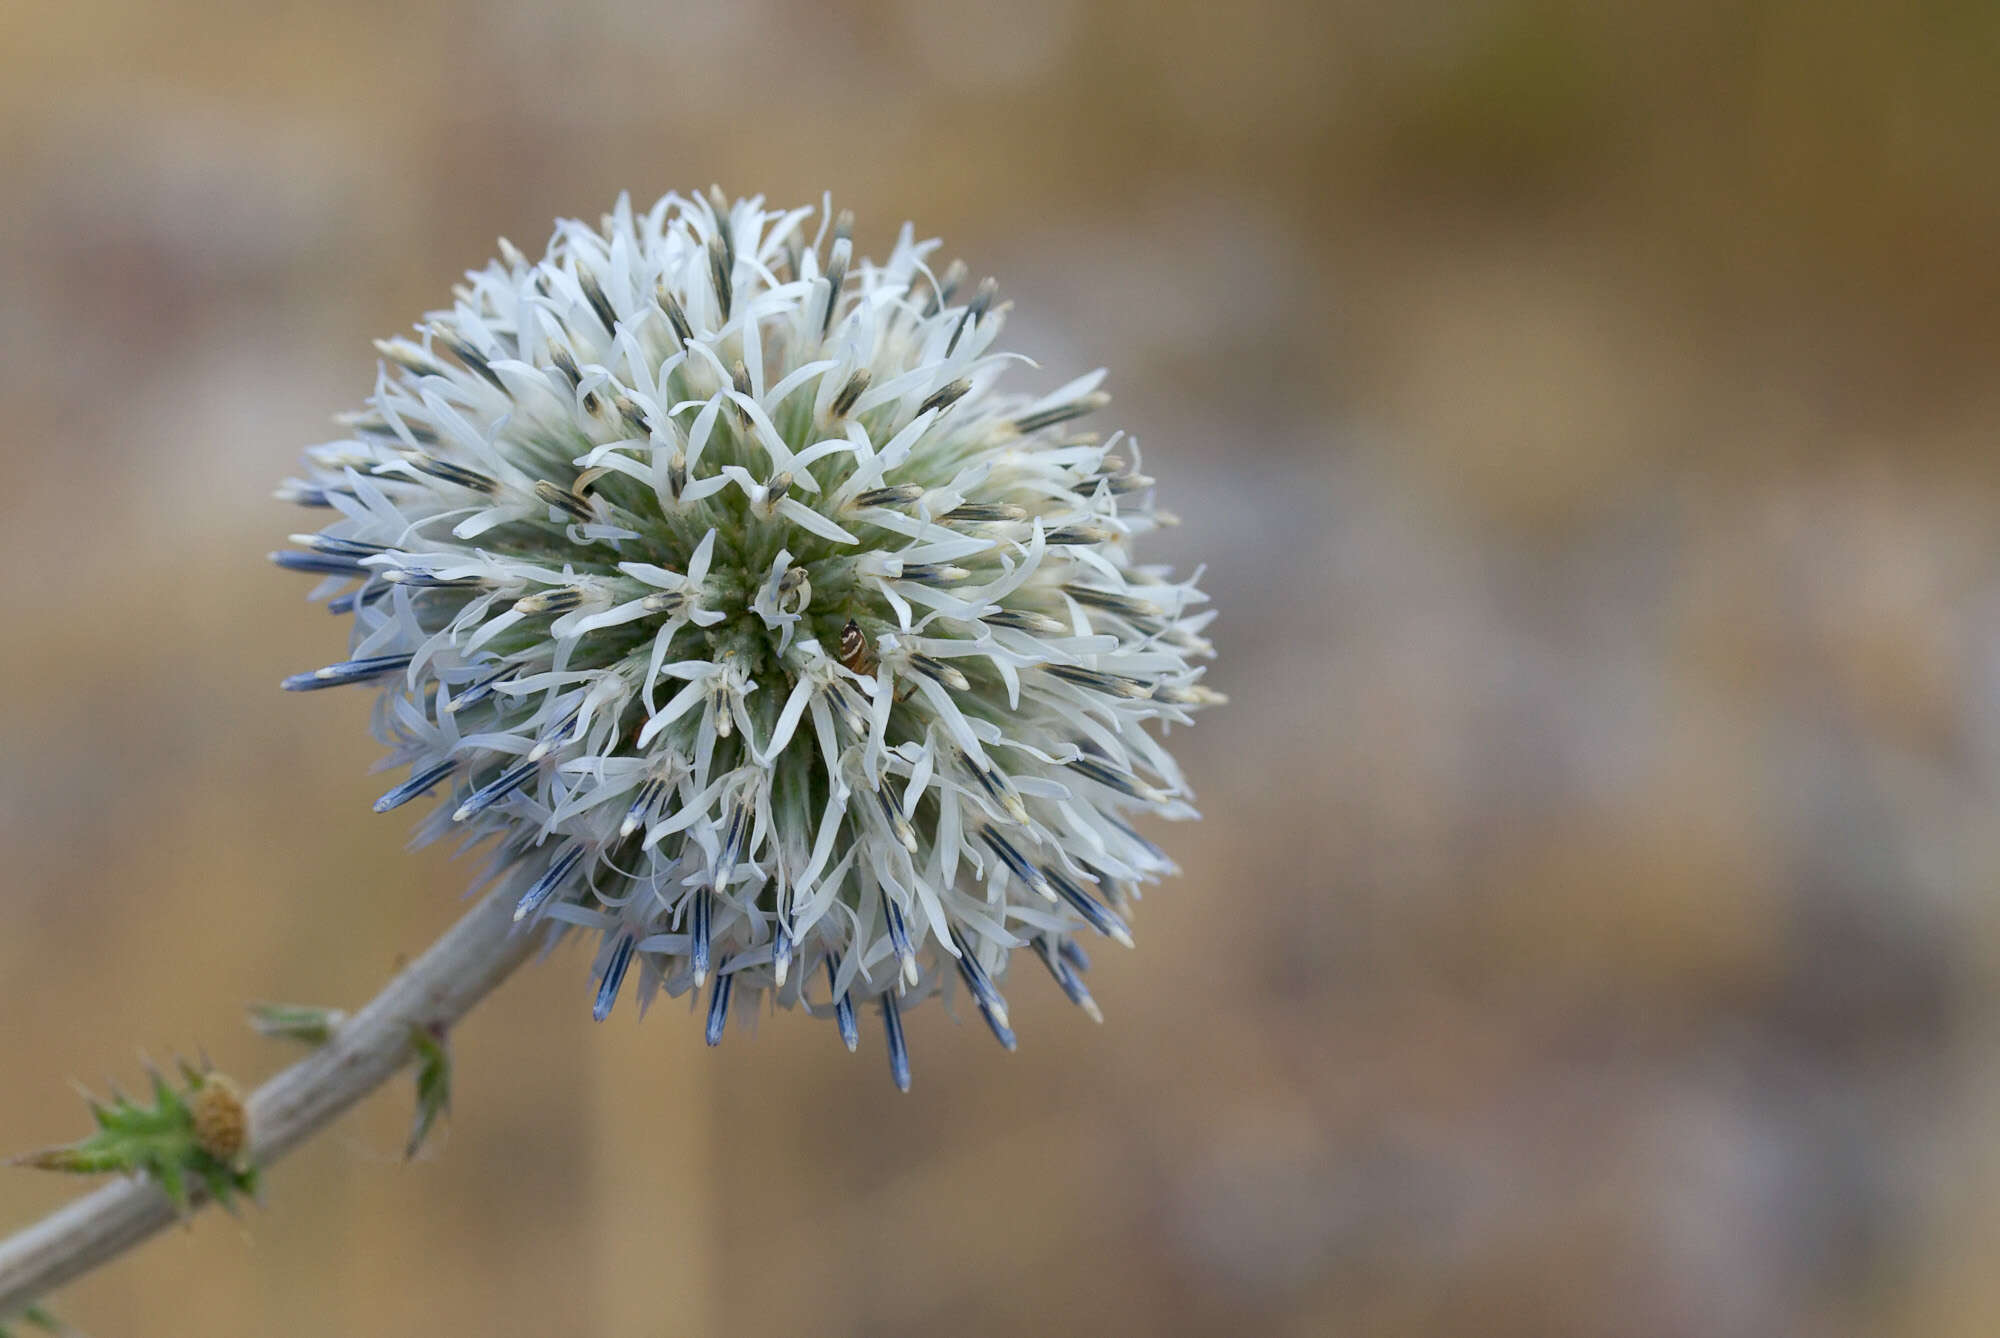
x=334 y=547
x=899 y=939
x=545 y=886
x=1092 y=769
x=347 y=671
x=1099 y=916
x=1118 y=685
x=417 y=783
x=1081 y=534
x=593 y=293
x=972 y=512
x=614 y=976
x=467 y=354
x=934 y=573
x=561 y=599
x=999 y=789
x=567 y=366
x=354 y=599
x=974 y=310
x=408 y=356
x=471 y=479
x=1112 y=601
x=945 y=396
x=635 y=816
x=836 y=267
x=478 y=691
x=981 y=985
x=906 y=835
x=564 y=500
x=850 y=392
x=899 y=1054
x=318 y=564
x=948 y=674
x=1022 y=620
x=781 y=956
x=1016 y=862
x=667 y=601
x=718 y=273
x=1061 y=413
x=843 y=1007
x=560 y=733
x=947 y=284
x=900 y=494
x=491 y=793
x=1072 y=984
x=718 y=1006
x=676 y=314
x=698 y=950
x=415 y=578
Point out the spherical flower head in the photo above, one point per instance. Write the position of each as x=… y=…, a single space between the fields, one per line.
x=706 y=568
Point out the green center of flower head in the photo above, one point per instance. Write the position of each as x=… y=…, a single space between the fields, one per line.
x=715 y=576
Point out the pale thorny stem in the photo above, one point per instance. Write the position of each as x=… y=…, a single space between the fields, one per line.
x=434 y=991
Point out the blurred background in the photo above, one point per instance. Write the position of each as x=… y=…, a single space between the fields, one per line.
x=1587 y=413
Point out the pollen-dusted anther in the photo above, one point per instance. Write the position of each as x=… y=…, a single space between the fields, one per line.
x=348 y=671
x=948 y=674
x=670 y=307
x=566 y=364
x=1061 y=413
x=600 y=305
x=1118 y=685
x=902 y=494
x=668 y=601
x=564 y=500
x=559 y=600
x=714 y=576
x=985 y=512
x=945 y=396
x=774 y=493
x=836 y=267
x=1025 y=620
x=425 y=463
x=319 y=564
x=843 y=403
x=474 y=361
x=718 y=274
x=947 y=285
x=1081 y=535
x=935 y=573
x=794 y=590
x=974 y=310
x=1113 y=601
x=409 y=357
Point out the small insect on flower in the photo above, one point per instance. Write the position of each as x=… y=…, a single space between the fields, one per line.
x=853 y=652
x=706 y=568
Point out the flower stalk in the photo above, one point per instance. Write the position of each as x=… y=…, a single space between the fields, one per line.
x=361 y=1053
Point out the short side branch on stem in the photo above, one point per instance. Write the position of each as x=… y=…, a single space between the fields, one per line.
x=433 y=992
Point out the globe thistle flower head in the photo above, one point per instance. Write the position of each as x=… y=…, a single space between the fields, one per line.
x=707 y=568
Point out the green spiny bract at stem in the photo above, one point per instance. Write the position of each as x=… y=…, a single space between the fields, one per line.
x=197 y=1134
x=706 y=568
x=42 y=1320
x=308 y=1024
x=433 y=1051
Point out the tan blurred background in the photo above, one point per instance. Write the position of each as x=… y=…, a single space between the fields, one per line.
x=1588 y=414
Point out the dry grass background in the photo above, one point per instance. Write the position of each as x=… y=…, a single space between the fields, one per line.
x=1588 y=413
